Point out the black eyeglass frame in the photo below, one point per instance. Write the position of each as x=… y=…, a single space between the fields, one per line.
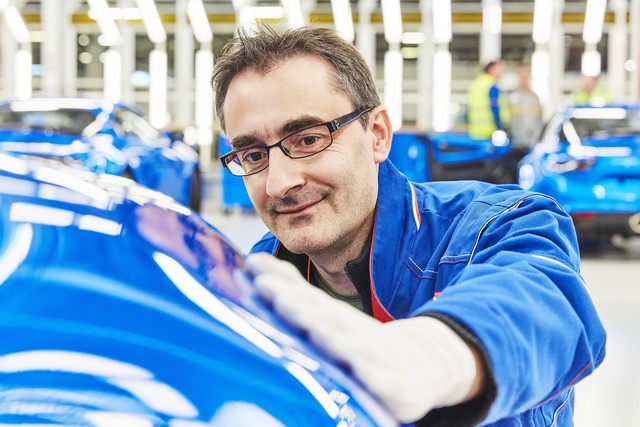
x=332 y=125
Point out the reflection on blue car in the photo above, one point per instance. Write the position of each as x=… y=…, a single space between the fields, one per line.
x=120 y=307
x=589 y=161
x=104 y=138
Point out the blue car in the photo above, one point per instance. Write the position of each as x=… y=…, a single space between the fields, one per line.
x=453 y=156
x=121 y=307
x=589 y=161
x=102 y=137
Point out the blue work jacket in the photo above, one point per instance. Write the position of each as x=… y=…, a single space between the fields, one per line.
x=500 y=263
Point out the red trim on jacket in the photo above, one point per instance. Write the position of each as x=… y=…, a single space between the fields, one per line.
x=379 y=312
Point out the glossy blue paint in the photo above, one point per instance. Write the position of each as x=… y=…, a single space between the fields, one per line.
x=589 y=161
x=102 y=137
x=233 y=191
x=120 y=307
x=450 y=156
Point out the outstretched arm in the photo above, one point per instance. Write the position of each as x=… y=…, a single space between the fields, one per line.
x=411 y=365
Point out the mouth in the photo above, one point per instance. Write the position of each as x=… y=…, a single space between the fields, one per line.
x=298 y=209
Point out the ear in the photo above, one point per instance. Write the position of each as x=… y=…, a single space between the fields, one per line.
x=380 y=124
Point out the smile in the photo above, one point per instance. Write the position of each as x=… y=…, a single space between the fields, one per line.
x=298 y=210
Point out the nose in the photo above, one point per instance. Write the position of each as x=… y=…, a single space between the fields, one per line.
x=283 y=174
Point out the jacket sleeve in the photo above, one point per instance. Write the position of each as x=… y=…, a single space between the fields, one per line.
x=494 y=95
x=521 y=295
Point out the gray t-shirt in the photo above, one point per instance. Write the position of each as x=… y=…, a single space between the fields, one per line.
x=526 y=118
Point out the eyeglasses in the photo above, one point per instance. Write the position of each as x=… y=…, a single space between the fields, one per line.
x=303 y=143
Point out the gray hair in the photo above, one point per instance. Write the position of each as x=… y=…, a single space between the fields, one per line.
x=262 y=49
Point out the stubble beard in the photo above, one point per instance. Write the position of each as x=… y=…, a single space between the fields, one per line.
x=320 y=231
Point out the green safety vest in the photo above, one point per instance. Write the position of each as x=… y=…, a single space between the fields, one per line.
x=481 y=122
x=597 y=96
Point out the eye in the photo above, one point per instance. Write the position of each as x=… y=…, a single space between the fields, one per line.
x=309 y=141
x=254 y=155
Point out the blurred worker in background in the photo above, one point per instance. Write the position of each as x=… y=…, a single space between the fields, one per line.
x=454 y=303
x=487 y=107
x=526 y=118
x=590 y=92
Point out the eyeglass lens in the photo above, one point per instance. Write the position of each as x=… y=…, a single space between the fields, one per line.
x=302 y=144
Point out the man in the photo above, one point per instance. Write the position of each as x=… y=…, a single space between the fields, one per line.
x=453 y=303
x=590 y=92
x=487 y=108
x=526 y=112
x=526 y=118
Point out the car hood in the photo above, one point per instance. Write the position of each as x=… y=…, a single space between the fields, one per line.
x=121 y=307
x=42 y=142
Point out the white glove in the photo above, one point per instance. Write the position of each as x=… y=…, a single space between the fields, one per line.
x=411 y=365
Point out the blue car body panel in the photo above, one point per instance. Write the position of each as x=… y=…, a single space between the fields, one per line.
x=447 y=156
x=589 y=161
x=102 y=137
x=233 y=191
x=120 y=307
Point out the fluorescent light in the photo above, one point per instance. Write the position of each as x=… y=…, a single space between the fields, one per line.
x=540 y=74
x=594 y=21
x=590 y=63
x=158 y=88
x=199 y=21
x=599 y=113
x=126 y=13
x=151 y=20
x=112 y=66
x=413 y=37
x=393 y=86
x=441 y=90
x=492 y=18
x=204 y=97
x=441 y=15
x=246 y=18
x=99 y=11
x=16 y=25
x=392 y=21
x=293 y=10
x=343 y=19
x=22 y=78
x=542 y=21
x=267 y=12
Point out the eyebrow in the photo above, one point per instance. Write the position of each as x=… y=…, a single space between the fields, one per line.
x=245 y=141
x=288 y=128
x=300 y=123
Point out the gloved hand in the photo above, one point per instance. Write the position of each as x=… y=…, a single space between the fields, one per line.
x=412 y=365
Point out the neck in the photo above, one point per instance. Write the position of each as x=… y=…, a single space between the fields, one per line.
x=337 y=280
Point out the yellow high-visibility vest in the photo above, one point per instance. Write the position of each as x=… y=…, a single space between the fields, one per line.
x=481 y=122
x=598 y=96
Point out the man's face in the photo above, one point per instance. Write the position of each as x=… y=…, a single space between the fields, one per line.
x=316 y=204
x=524 y=75
x=498 y=69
